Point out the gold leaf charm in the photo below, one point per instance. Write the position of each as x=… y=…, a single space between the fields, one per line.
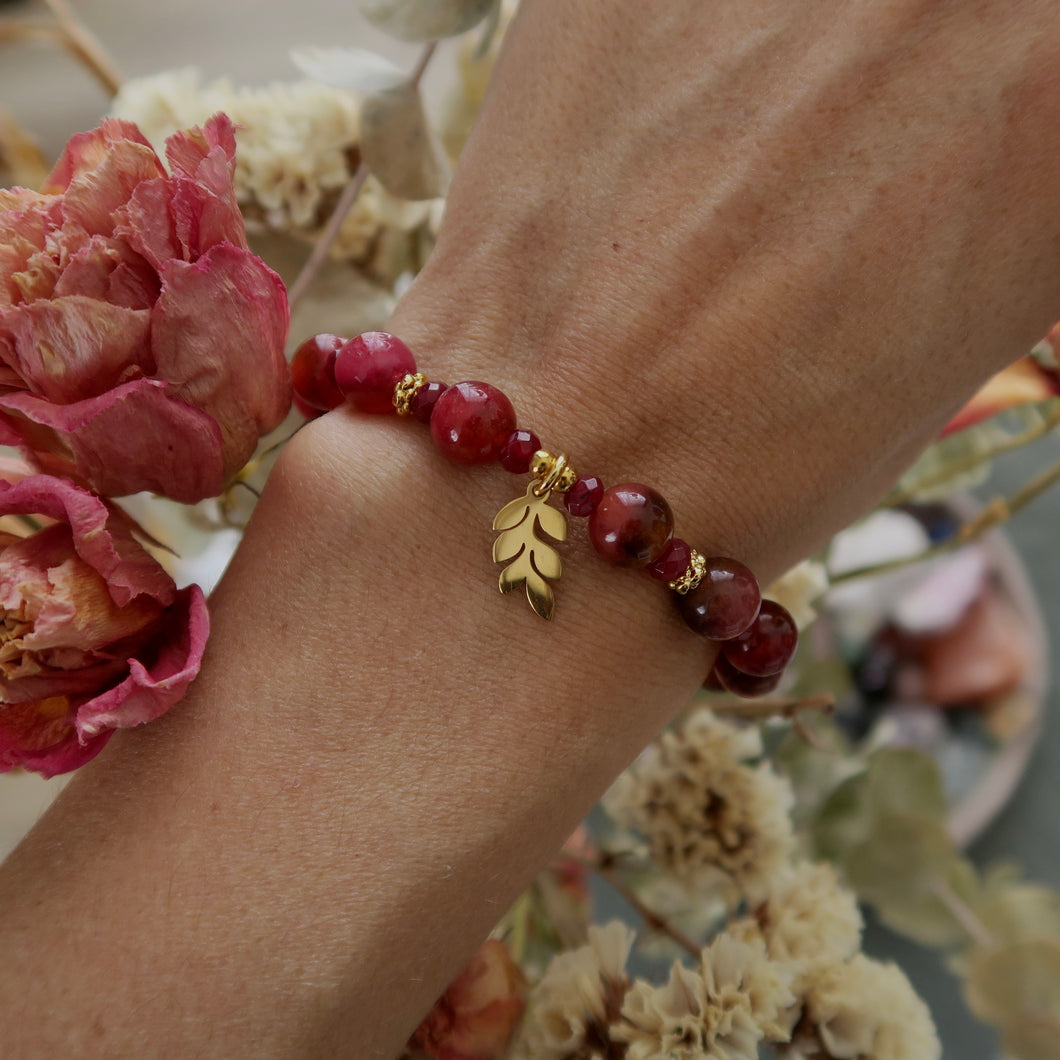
x=531 y=560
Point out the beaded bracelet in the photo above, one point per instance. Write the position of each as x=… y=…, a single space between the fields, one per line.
x=629 y=525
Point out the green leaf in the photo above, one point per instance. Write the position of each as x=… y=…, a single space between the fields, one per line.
x=425 y=20
x=400 y=148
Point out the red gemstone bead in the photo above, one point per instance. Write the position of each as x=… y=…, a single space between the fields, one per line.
x=313 y=371
x=673 y=562
x=423 y=401
x=712 y=683
x=767 y=647
x=743 y=684
x=368 y=368
x=472 y=422
x=518 y=451
x=725 y=602
x=631 y=525
x=583 y=497
x=309 y=411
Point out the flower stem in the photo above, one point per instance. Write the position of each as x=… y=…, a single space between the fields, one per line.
x=899 y=496
x=654 y=921
x=345 y=203
x=84 y=45
x=996 y=512
x=962 y=912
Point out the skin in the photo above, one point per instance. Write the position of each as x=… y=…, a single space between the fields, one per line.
x=753 y=254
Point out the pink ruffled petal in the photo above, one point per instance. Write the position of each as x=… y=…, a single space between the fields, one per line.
x=135 y=437
x=154 y=684
x=86 y=151
x=218 y=335
x=106 y=270
x=186 y=150
x=105 y=544
x=76 y=347
x=47 y=748
x=146 y=223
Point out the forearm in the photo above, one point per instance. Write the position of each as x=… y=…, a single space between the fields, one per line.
x=382 y=749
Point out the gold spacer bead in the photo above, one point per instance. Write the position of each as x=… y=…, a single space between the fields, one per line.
x=552 y=472
x=697 y=569
x=405 y=391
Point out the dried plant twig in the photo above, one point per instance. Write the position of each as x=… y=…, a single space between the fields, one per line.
x=346 y=202
x=85 y=46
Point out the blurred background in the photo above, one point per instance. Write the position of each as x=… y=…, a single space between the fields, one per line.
x=249 y=41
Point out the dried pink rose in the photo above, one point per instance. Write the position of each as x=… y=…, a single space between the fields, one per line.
x=1021 y=383
x=94 y=634
x=141 y=343
x=476 y=1018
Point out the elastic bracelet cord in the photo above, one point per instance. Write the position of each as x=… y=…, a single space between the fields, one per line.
x=630 y=525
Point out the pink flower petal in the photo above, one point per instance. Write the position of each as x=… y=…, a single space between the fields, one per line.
x=157 y=681
x=106 y=269
x=49 y=748
x=223 y=319
x=86 y=151
x=76 y=347
x=177 y=450
x=1021 y=383
x=146 y=223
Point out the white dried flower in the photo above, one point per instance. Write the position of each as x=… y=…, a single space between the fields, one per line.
x=808 y=917
x=575 y=1001
x=709 y=818
x=297 y=148
x=799 y=589
x=865 y=1010
x=737 y=998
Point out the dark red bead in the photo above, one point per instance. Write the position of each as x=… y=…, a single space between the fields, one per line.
x=673 y=562
x=313 y=371
x=309 y=411
x=518 y=451
x=472 y=422
x=423 y=401
x=583 y=497
x=712 y=683
x=767 y=647
x=631 y=526
x=743 y=684
x=368 y=368
x=725 y=602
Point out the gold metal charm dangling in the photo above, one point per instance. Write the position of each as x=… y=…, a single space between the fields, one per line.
x=532 y=561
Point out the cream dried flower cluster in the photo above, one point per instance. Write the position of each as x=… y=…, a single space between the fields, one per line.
x=572 y=1007
x=298 y=147
x=710 y=819
x=736 y=998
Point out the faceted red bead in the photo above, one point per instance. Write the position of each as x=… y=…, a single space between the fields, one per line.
x=673 y=562
x=471 y=423
x=368 y=368
x=743 y=684
x=423 y=401
x=767 y=646
x=631 y=525
x=583 y=497
x=518 y=451
x=724 y=603
x=313 y=371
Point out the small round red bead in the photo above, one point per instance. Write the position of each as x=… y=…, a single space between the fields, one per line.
x=632 y=525
x=471 y=423
x=368 y=368
x=673 y=562
x=423 y=401
x=313 y=372
x=725 y=602
x=518 y=451
x=583 y=497
x=767 y=646
x=741 y=684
